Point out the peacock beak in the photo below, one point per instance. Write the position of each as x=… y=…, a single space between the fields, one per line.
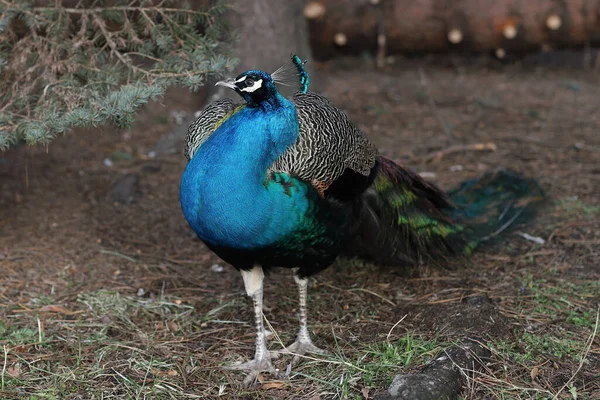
x=230 y=83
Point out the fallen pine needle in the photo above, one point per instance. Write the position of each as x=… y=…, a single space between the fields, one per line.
x=535 y=239
x=117 y=254
x=4 y=365
x=438 y=155
x=393 y=327
x=374 y=294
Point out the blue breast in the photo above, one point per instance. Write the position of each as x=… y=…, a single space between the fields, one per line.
x=226 y=194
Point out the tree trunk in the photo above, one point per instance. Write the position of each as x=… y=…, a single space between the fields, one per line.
x=268 y=32
x=504 y=26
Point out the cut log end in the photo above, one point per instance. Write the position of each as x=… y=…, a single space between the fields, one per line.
x=510 y=31
x=553 y=22
x=314 y=10
x=519 y=27
x=455 y=36
x=340 y=39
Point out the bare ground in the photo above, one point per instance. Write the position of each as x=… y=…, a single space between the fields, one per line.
x=106 y=300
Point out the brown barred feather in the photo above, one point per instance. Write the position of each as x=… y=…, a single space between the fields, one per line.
x=206 y=123
x=328 y=143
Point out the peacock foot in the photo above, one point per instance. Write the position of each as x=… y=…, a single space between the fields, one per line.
x=298 y=349
x=254 y=368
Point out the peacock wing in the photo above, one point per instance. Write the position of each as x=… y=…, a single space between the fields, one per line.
x=209 y=120
x=330 y=148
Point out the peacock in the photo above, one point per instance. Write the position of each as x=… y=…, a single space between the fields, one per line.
x=293 y=183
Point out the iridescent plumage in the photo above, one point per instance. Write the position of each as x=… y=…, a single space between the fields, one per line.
x=273 y=182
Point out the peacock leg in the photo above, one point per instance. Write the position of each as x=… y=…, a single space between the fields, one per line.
x=253 y=282
x=303 y=343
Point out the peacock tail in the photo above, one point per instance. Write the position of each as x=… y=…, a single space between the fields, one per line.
x=493 y=204
x=406 y=219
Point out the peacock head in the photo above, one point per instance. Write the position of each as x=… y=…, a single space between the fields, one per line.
x=255 y=86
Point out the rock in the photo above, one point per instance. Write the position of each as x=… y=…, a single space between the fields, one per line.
x=442 y=379
x=179 y=117
x=167 y=144
x=151 y=167
x=119 y=155
x=476 y=300
x=171 y=143
x=124 y=190
x=217 y=268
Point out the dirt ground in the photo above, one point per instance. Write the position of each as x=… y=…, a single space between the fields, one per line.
x=101 y=299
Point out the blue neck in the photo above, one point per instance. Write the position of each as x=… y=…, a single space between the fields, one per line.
x=226 y=195
x=272 y=101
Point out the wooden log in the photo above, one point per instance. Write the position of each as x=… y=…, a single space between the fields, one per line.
x=514 y=26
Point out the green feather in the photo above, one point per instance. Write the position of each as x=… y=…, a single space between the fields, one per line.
x=430 y=224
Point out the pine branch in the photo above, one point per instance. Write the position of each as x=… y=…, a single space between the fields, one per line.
x=63 y=67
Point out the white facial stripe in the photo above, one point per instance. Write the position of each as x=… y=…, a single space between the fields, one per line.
x=241 y=79
x=256 y=86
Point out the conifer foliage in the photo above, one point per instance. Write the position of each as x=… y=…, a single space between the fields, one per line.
x=99 y=61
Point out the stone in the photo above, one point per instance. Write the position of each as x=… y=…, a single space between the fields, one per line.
x=124 y=190
x=441 y=379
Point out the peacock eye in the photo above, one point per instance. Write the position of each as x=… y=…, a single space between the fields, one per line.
x=249 y=82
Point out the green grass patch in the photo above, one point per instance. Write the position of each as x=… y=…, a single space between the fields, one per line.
x=109 y=302
x=347 y=372
x=112 y=350
x=561 y=300
x=533 y=349
x=573 y=206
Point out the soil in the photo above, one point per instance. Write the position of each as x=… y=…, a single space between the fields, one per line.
x=75 y=223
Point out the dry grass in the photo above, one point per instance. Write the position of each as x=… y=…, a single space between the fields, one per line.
x=105 y=301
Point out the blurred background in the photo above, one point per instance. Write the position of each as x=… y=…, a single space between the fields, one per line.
x=105 y=291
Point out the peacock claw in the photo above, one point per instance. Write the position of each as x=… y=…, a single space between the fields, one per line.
x=254 y=368
x=298 y=349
